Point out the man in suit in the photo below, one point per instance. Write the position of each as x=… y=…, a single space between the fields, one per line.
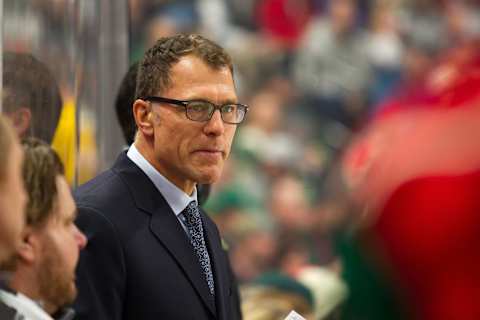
x=152 y=254
x=123 y=108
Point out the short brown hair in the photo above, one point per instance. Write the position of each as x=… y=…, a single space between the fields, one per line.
x=154 y=71
x=41 y=167
x=7 y=136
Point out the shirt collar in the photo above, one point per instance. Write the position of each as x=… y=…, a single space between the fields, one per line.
x=63 y=314
x=24 y=305
x=175 y=197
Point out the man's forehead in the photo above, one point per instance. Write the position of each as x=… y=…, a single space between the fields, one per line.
x=202 y=82
x=194 y=67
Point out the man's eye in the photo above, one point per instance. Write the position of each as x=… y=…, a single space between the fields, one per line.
x=229 y=108
x=198 y=106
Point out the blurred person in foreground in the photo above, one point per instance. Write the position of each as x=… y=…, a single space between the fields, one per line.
x=43 y=271
x=151 y=250
x=12 y=204
x=31 y=96
x=415 y=171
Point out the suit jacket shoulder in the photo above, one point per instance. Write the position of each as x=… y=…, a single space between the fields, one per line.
x=139 y=263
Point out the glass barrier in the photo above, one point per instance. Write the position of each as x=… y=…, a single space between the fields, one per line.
x=62 y=63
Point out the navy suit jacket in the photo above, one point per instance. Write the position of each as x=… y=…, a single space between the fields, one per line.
x=139 y=263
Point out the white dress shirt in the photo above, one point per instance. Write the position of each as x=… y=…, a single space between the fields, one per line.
x=29 y=309
x=176 y=198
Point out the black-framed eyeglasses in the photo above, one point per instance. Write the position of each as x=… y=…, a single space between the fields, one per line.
x=201 y=110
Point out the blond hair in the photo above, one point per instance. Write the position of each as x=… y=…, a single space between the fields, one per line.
x=41 y=167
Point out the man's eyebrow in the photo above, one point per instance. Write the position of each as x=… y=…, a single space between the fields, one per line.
x=221 y=103
x=225 y=102
x=229 y=101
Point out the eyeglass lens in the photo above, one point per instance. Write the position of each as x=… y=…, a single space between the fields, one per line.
x=203 y=111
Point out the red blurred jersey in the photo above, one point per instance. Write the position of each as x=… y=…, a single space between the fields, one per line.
x=417 y=167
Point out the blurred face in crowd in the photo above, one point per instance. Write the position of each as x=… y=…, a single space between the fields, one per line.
x=186 y=151
x=269 y=116
x=59 y=244
x=289 y=204
x=342 y=13
x=12 y=203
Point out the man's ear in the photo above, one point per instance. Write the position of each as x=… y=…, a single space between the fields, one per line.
x=142 y=112
x=29 y=248
x=21 y=120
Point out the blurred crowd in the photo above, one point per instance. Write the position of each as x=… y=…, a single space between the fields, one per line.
x=319 y=76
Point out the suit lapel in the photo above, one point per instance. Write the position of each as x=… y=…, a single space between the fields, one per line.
x=165 y=226
x=167 y=229
x=217 y=259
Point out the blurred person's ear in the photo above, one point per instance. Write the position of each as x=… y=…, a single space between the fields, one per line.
x=142 y=112
x=29 y=247
x=21 y=120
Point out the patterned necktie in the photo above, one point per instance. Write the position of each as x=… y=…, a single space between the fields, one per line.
x=193 y=222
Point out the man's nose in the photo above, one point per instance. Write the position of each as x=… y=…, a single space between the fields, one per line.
x=215 y=126
x=80 y=238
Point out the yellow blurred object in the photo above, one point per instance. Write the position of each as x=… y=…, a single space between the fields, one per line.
x=65 y=144
x=64 y=141
x=88 y=151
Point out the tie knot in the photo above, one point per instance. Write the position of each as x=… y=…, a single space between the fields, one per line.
x=192 y=205
x=192 y=215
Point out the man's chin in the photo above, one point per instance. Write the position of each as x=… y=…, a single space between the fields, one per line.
x=69 y=295
x=208 y=175
x=73 y=293
x=208 y=178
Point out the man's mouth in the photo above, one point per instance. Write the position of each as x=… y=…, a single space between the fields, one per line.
x=209 y=152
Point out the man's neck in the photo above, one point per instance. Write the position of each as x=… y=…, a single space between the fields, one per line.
x=24 y=283
x=146 y=150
